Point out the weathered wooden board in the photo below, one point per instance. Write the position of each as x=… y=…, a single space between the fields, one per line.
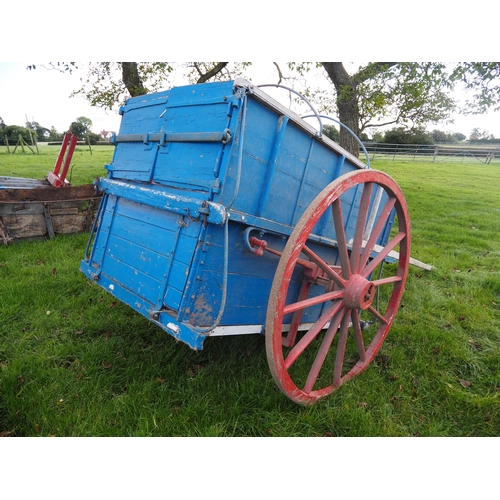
x=43 y=212
x=48 y=194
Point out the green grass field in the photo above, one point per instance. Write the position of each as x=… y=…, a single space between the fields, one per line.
x=73 y=362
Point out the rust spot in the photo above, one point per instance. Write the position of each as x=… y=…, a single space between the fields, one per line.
x=202 y=314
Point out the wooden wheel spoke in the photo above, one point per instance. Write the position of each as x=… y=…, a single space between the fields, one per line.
x=377 y=315
x=382 y=254
x=323 y=351
x=338 y=221
x=313 y=301
x=386 y=281
x=360 y=226
x=324 y=266
x=358 y=335
x=339 y=357
x=312 y=334
x=377 y=230
x=289 y=340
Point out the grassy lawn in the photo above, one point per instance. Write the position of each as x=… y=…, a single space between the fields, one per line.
x=73 y=362
x=85 y=165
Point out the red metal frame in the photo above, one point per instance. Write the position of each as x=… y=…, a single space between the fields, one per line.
x=63 y=159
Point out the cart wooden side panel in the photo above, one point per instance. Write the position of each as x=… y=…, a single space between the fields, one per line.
x=197 y=170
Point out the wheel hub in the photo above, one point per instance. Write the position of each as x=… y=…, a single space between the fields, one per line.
x=359 y=293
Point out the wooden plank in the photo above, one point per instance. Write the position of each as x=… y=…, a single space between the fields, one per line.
x=55 y=212
x=65 y=193
x=28 y=226
x=21 y=209
x=68 y=224
x=38 y=213
x=395 y=255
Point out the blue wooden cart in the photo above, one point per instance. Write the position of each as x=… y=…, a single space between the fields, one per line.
x=224 y=213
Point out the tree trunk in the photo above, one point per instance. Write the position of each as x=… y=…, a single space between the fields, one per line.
x=204 y=77
x=132 y=80
x=347 y=103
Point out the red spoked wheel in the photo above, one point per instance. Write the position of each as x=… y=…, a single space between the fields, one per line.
x=331 y=307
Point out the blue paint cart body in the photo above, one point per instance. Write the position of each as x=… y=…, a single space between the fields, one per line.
x=225 y=213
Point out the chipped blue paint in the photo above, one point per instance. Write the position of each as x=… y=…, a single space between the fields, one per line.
x=157 y=196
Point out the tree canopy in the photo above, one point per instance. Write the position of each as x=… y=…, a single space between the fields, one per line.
x=363 y=96
x=41 y=132
x=482 y=79
x=33 y=131
x=108 y=84
x=11 y=133
x=399 y=135
x=81 y=127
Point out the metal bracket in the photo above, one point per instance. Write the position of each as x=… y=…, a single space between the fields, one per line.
x=164 y=137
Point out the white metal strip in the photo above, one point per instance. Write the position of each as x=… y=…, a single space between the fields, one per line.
x=250 y=329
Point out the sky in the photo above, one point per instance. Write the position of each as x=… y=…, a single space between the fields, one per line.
x=43 y=95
